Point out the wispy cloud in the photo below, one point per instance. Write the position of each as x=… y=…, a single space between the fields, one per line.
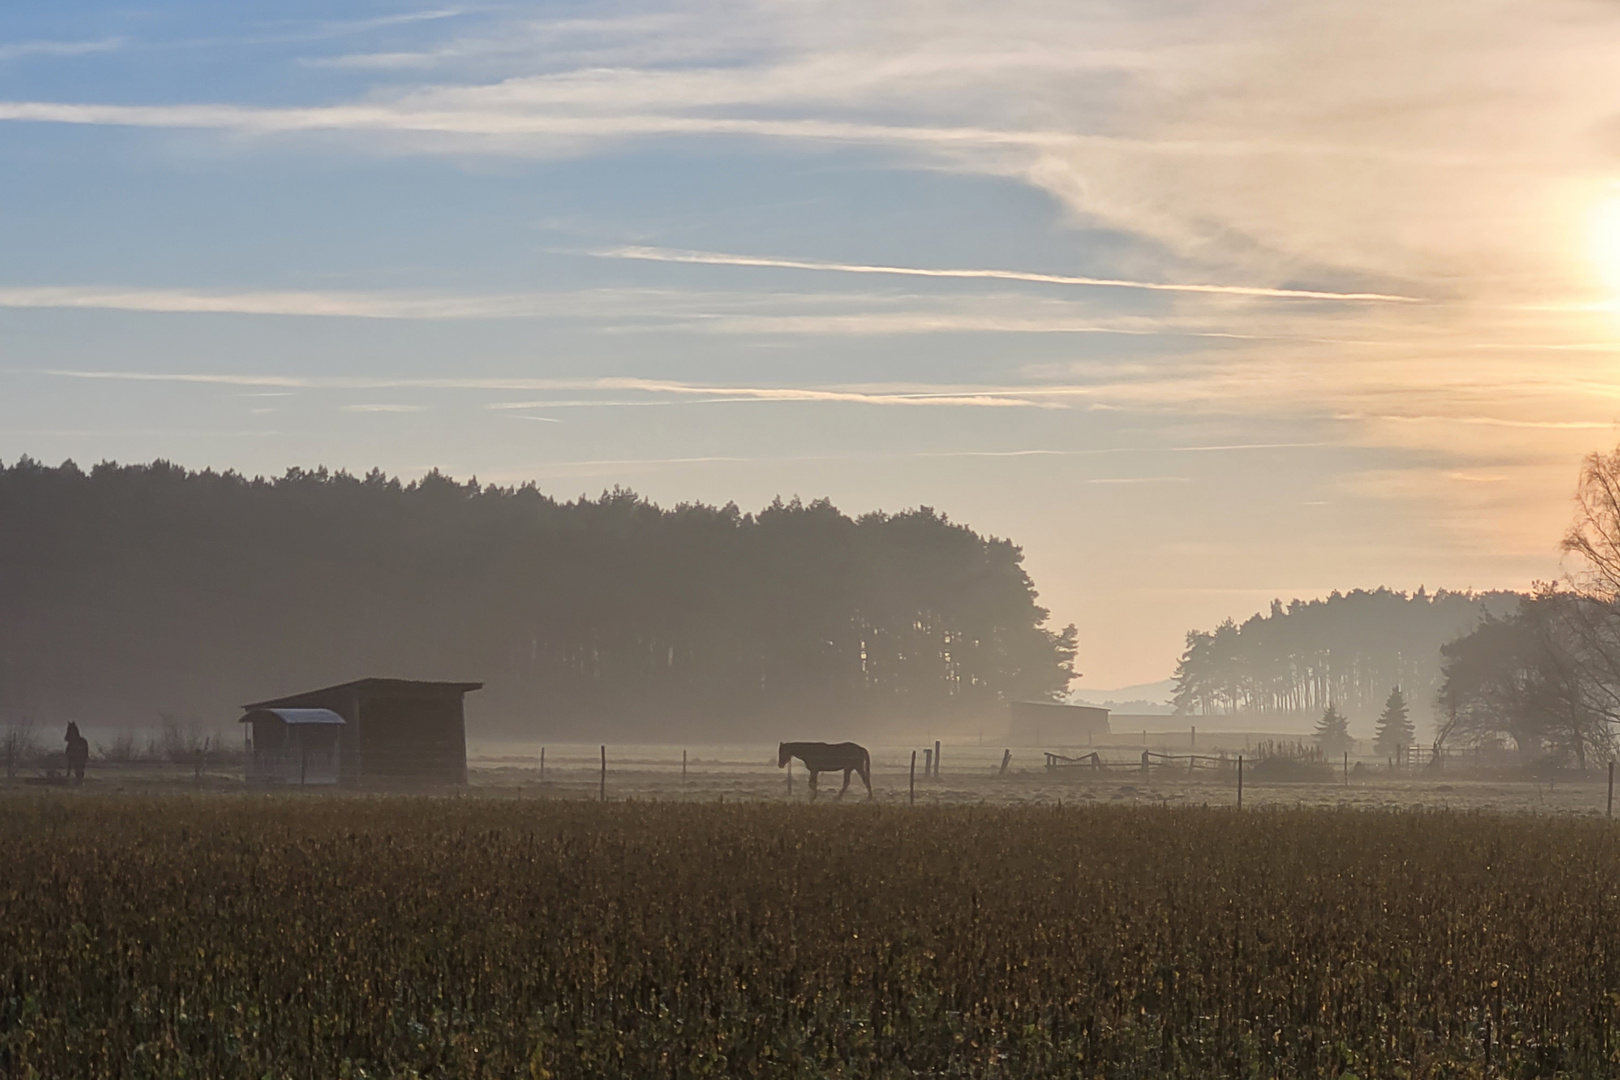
x=713 y=258
x=1485 y=421
x=328 y=29
x=504 y=129
x=1372 y=141
x=628 y=309
x=328 y=304
x=394 y=61
x=1140 y=480
x=1217 y=448
x=1001 y=399
x=382 y=407
x=1435 y=415
x=17 y=50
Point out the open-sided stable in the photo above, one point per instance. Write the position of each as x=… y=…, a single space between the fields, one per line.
x=1042 y=723
x=390 y=730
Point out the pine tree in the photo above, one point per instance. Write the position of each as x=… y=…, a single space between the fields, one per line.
x=1333 y=732
x=1395 y=731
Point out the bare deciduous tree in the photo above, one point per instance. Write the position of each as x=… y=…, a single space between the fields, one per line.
x=1594 y=536
x=19 y=741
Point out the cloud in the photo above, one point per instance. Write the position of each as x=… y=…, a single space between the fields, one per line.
x=1488 y=421
x=1092 y=451
x=1140 y=480
x=296 y=31
x=630 y=309
x=394 y=61
x=496 y=130
x=184 y=301
x=933 y=397
x=17 y=50
x=1377 y=151
x=1360 y=401
x=711 y=258
x=383 y=407
x=1439 y=147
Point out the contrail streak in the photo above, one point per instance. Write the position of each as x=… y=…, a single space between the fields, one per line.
x=716 y=258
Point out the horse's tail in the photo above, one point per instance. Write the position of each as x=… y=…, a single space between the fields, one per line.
x=866 y=765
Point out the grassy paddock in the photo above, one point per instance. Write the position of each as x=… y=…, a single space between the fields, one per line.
x=333 y=937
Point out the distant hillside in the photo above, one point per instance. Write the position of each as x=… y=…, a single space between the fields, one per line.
x=131 y=591
x=1146 y=699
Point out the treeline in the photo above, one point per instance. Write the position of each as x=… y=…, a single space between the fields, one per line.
x=127 y=592
x=1544 y=678
x=1347 y=651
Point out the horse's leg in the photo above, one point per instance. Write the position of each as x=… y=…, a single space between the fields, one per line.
x=813 y=789
x=846 y=783
x=866 y=778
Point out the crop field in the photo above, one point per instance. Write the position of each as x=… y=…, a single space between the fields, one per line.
x=250 y=936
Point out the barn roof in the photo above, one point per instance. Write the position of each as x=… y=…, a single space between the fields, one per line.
x=1057 y=705
x=389 y=687
x=297 y=716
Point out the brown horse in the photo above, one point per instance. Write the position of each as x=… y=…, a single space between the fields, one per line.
x=820 y=757
x=78 y=752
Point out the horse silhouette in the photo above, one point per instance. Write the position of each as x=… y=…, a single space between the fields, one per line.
x=820 y=757
x=78 y=752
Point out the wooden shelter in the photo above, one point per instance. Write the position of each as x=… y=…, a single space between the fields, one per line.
x=387 y=730
x=1044 y=723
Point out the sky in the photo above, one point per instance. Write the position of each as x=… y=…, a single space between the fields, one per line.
x=1200 y=303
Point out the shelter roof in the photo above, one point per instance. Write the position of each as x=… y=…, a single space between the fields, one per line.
x=368 y=687
x=297 y=716
x=1057 y=705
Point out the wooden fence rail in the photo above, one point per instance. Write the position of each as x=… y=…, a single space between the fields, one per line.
x=1150 y=759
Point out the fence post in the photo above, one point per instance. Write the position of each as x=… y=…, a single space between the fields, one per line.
x=928 y=762
x=1611 y=788
x=1144 y=760
x=604 y=774
x=542 y=764
x=1240 y=781
x=936 y=759
x=913 y=793
x=790 y=778
x=1006 y=759
x=683 y=766
x=1192 y=743
x=1347 y=768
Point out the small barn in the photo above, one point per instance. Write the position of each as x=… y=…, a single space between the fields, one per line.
x=1043 y=723
x=383 y=730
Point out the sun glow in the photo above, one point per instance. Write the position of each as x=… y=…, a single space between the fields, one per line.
x=1605 y=240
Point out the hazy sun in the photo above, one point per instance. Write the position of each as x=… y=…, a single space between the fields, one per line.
x=1606 y=242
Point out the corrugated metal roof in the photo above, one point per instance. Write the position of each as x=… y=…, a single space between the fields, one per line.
x=298 y=716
